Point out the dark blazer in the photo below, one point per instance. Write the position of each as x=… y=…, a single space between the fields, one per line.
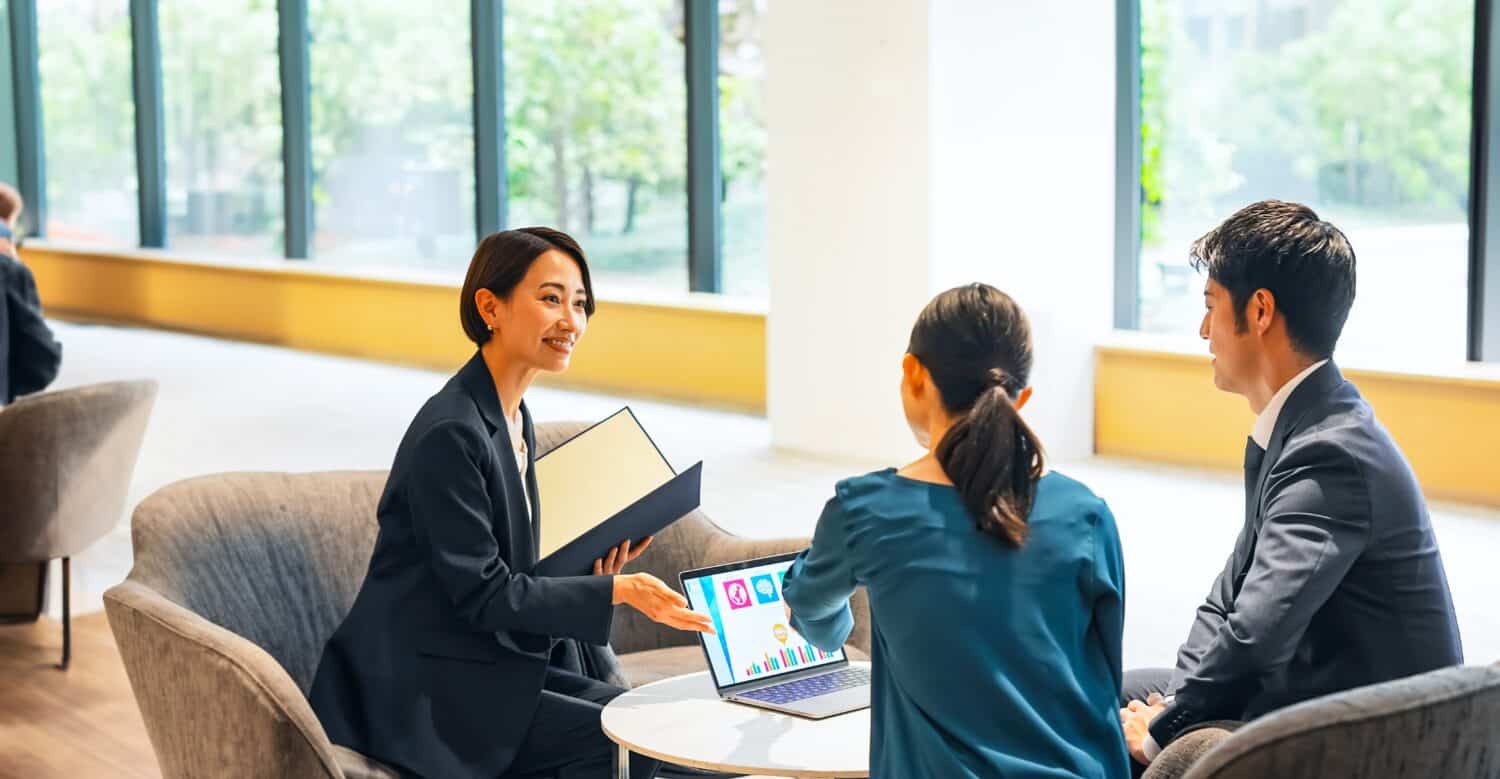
x=440 y=662
x=29 y=354
x=1335 y=580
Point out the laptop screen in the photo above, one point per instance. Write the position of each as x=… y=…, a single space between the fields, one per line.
x=754 y=641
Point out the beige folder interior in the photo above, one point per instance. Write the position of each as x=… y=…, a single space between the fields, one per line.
x=594 y=476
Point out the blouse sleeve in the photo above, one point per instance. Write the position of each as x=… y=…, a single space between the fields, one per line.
x=820 y=582
x=1109 y=590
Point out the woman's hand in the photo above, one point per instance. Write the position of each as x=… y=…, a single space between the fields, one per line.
x=619 y=557
x=648 y=595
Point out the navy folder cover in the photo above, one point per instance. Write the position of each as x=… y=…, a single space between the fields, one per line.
x=649 y=515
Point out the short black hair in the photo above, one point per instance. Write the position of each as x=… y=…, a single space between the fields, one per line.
x=1304 y=262
x=502 y=260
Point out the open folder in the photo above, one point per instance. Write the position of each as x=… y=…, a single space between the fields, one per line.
x=603 y=486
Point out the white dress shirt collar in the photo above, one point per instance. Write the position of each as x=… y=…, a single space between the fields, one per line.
x=1265 y=424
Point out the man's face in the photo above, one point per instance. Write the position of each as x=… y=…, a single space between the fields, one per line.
x=1233 y=348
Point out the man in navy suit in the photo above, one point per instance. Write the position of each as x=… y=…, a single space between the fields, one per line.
x=1335 y=580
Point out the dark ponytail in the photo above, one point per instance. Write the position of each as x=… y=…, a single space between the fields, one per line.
x=976 y=344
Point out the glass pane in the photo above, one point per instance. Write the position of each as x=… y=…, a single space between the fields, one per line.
x=9 y=165
x=742 y=130
x=1358 y=108
x=223 y=144
x=88 y=121
x=595 y=107
x=392 y=133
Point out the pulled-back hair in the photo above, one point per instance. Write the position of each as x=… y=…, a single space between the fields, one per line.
x=975 y=342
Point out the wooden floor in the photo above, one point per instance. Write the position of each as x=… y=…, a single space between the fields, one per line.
x=81 y=722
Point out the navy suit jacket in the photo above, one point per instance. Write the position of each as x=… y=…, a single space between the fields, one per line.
x=1335 y=580
x=440 y=662
x=29 y=355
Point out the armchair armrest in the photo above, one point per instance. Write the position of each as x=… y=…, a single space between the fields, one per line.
x=1187 y=749
x=214 y=703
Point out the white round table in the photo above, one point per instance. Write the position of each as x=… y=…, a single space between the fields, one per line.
x=682 y=720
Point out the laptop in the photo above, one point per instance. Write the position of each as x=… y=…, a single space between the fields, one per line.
x=757 y=658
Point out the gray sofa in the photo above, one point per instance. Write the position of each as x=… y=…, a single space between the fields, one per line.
x=1444 y=723
x=240 y=578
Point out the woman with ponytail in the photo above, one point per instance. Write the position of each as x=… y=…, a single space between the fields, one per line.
x=996 y=587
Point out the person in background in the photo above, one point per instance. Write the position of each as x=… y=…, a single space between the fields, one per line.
x=996 y=590
x=29 y=354
x=1335 y=580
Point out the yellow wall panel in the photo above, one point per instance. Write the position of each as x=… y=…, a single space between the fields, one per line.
x=691 y=353
x=1155 y=405
x=1163 y=406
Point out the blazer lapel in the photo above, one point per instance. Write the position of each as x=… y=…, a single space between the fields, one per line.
x=522 y=528
x=1307 y=395
x=475 y=378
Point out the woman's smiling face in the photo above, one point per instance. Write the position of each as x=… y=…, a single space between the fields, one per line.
x=541 y=321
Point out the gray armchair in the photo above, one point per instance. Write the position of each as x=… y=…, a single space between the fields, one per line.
x=239 y=580
x=66 y=458
x=1444 y=723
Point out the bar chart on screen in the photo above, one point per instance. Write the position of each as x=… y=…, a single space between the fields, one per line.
x=786 y=658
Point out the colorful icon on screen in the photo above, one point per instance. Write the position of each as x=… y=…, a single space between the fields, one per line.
x=779 y=631
x=737 y=593
x=765 y=588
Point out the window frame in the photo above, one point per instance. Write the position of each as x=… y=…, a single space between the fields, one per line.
x=701 y=135
x=1484 y=167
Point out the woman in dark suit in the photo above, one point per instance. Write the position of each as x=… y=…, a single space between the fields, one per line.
x=441 y=667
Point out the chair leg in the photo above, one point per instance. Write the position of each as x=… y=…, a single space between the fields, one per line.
x=67 y=579
x=41 y=587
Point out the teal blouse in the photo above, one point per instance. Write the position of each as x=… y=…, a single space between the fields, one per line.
x=988 y=661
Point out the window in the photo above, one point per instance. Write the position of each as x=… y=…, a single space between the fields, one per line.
x=89 y=121
x=595 y=110
x=1359 y=108
x=222 y=108
x=742 y=144
x=392 y=134
x=9 y=164
x=381 y=123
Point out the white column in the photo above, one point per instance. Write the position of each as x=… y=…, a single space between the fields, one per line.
x=919 y=145
x=848 y=217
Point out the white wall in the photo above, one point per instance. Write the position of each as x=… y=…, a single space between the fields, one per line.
x=916 y=145
x=848 y=219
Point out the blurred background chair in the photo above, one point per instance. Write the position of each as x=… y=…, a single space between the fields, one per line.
x=240 y=578
x=1441 y=723
x=66 y=458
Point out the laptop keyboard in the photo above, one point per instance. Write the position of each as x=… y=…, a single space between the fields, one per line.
x=811 y=687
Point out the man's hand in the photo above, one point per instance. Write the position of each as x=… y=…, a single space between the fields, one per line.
x=619 y=556
x=1135 y=720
